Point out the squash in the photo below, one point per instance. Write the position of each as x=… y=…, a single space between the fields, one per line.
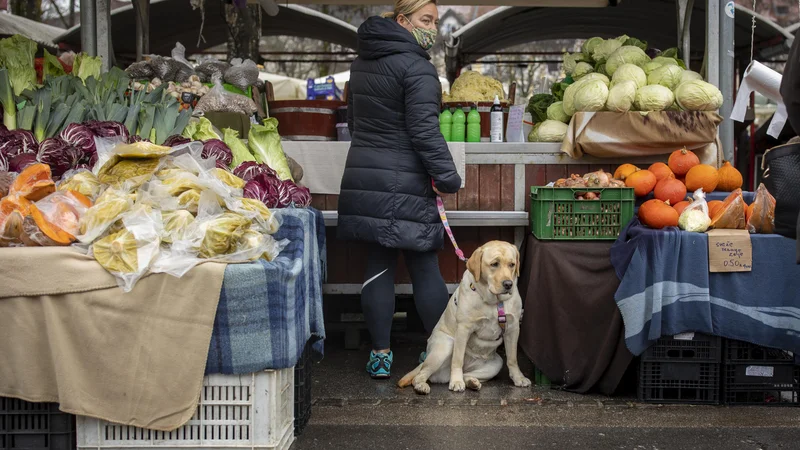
x=657 y=214
x=702 y=176
x=681 y=161
x=748 y=212
x=760 y=215
x=730 y=178
x=713 y=207
x=642 y=181
x=670 y=189
x=660 y=170
x=680 y=206
x=731 y=215
x=34 y=183
x=13 y=210
x=41 y=231
x=624 y=170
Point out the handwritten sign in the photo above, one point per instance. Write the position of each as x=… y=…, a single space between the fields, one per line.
x=729 y=251
x=514 y=127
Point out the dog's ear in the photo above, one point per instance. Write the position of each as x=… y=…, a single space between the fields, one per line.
x=474 y=263
x=516 y=267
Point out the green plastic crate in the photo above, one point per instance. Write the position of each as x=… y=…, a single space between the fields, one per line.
x=231 y=88
x=557 y=214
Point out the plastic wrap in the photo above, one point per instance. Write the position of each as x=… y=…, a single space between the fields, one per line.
x=81 y=180
x=140 y=71
x=64 y=210
x=211 y=68
x=220 y=100
x=242 y=74
x=731 y=216
x=694 y=217
x=761 y=213
x=164 y=68
x=108 y=208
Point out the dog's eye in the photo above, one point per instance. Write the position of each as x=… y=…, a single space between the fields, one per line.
x=512 y=265
x=495 y=264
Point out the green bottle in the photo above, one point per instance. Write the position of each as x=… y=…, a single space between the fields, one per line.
x=446 y=124
x=474 y=125
x=459 y=126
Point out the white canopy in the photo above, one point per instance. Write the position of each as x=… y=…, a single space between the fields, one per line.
x=343 y=77
x=285 y=88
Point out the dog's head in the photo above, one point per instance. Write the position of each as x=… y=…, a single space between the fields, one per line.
x=496 y=263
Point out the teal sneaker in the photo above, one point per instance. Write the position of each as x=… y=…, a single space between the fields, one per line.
x=422 y=357
x=380 y=365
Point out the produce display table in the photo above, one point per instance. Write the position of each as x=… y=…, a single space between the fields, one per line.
x=666 y=289
x=571 y=328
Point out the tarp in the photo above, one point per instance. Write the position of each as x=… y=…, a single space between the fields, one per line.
x=285 y=88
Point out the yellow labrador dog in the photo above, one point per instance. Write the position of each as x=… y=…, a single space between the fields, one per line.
x=483 y=312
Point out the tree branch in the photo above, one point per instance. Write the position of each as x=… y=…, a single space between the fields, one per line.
x=60 y=15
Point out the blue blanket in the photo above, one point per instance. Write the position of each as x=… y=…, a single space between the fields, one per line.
x=666 y=289
x=269 y=310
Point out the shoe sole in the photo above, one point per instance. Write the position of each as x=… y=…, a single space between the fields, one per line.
x=380 y=377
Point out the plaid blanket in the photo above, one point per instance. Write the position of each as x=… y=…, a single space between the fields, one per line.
x=269 y=310
x=666 y=289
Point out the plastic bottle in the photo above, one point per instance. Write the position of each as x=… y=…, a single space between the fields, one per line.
x=459 y=126
x=496 y=119
x=446 y=124
x=474 y=125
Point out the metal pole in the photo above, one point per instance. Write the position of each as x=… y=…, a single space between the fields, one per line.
x=686 y=46
x=103 y=30
x=712 y=41
x=141 y=9
x=726 y=81
x=88 y=28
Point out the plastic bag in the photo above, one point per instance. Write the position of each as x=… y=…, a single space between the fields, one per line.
x=81 y=180
x=731 y=215
x=694 y=217
x=220 y=100
x=760 y=214
x=210 y=69
x=63 y=210
x=242 y=74
x=164 y=68
x=129 y=253
x=140 y=71
x=108 y=208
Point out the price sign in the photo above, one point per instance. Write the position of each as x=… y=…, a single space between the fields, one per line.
x=729 y=251
x=514 y=127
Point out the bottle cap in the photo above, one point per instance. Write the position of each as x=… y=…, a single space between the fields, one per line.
x=496 y=100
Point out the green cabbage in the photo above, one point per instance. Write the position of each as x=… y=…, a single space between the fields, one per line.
x=604 y=49
x=572 y=60
x=697 y=95
x=52 y=66
x=558 y=89
x=556 y=112
x=630 y=72
x=589 y=45
x=551 y=131
x=582 y=69
x=668 y=76
x=636 y=43
x=569 y=93
x=653 y=98
x=626 y=55
x=621 y=96
x=238 y=149
x=650 y=67
x=596 y=76
x=538 y=105
x=590 y=96
x=665 y=60
x=202 y=130
x=87 y=66
x=689 y=75
x=265 y=143
x=17 y=56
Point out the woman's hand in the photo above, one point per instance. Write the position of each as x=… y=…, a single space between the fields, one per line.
x=437 y=192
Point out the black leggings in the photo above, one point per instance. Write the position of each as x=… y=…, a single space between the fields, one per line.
x=377 y=294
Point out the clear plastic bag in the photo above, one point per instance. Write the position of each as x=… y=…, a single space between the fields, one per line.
x=108 y=208
x=760 y=215
x=164 y=68
x=242 y=74
x=731 y=216
x=220 y=100
x=141 y=70
x=694 y=217
x=210 y=69
x=63 y=210
x=81 y=180
x=128 y=254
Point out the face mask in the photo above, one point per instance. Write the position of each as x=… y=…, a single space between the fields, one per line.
x=425 y=38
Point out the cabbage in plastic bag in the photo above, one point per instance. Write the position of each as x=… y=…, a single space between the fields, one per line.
x=130 y=171
x=83 y=181
x=227 y=178
x=242 y=74
x=694 y=217
x=176 y=225
x=107 y=209
x=220 y=232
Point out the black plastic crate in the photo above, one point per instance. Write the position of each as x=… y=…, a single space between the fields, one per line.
x=701 y=348
x=679 y=382
x=35 y=426
x=757 y=375
x=302 y=390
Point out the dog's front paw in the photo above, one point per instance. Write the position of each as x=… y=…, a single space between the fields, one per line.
x=473 y=384
x=521 y=381
x=457 y=385
x=422 y=388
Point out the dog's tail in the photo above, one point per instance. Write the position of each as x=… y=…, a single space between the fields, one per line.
x=409 y=378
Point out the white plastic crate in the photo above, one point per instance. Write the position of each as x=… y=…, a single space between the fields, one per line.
x=254 y=411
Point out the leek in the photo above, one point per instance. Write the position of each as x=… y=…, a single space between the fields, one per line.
x=7 y=100
x=26 y=116
x=57 y=119
x=43 y=105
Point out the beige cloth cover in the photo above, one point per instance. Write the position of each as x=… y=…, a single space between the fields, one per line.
x=632 y=134
x=68 y=334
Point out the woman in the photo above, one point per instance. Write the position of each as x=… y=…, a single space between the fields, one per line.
x=387 y=199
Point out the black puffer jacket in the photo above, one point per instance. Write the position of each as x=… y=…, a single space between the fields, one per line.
x=396 y=149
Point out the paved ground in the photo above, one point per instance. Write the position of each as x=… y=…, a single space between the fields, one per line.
x=353 y=412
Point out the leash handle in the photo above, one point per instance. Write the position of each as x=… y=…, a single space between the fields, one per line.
x=443 y=217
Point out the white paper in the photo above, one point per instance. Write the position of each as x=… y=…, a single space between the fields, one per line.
x=760 y=78
x=514 y=127
x=759 y=371
x=684 y=336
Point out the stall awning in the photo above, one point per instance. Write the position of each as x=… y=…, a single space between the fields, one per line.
x=654 y=21
x=174 y=21
x=39 y=32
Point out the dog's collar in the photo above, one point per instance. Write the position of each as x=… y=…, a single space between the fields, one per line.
x=501 y=312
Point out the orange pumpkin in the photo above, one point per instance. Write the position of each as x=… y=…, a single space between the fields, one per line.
x=731 y=215
x=680 y=206
x=730 y=178
x=624 y=170
x=657 y=214
x=642 y=181
x=702 y=176
x=681 y=161
x=670 y=189
x=713 y=207
x=660 y=170
x=33 y=183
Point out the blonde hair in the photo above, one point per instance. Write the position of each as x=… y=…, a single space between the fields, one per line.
x=407 y=8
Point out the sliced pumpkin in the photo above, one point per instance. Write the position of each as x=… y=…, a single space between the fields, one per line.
x=34 y=183
x=80 y=198
x=761 y=213
x=13 y=210
x=38 y=229
x=731 y=215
